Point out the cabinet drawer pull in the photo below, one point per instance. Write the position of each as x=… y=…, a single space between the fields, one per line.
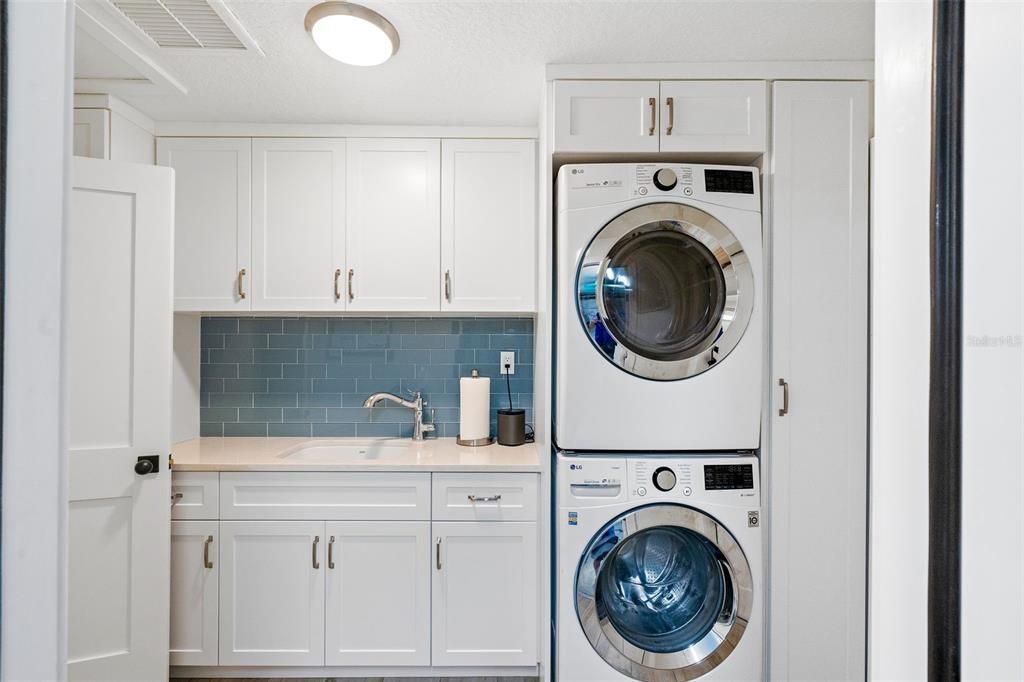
x=241 y=283
x=448 y=285
x=316 y=542
x=671 y=115
x=206 y=552
x=437 y=554
x=337 y=292
x=351 y=292
x=330 y=553
x=491 y=498
x=653 y=104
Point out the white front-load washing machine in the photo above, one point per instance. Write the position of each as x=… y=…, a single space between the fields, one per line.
x=660 y=336
x=658 y=569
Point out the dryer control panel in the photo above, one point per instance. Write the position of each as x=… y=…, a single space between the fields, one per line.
x=682 y=479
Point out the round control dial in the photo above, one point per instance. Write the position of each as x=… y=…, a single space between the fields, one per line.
x=664 y=479
x=665 y=179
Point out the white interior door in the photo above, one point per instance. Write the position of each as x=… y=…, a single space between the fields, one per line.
x=394 y=224
x=298 y=224
x=378 y=593
x=119 y=372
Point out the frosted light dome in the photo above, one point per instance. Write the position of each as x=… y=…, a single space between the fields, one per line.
x=351 y=33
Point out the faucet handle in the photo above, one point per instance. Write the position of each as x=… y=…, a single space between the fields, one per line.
x=427 y=428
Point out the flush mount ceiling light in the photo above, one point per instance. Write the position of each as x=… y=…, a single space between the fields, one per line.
x=351 y=33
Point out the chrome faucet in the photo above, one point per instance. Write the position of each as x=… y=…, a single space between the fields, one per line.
x=416 y=404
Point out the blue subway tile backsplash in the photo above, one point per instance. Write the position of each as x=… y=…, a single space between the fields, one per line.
x=309 y=376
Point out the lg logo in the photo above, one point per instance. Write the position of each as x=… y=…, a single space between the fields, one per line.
x=575 y=467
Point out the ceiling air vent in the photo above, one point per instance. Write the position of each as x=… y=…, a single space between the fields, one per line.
x=187 y=24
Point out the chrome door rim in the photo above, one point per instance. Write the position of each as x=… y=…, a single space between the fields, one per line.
x=696 y=659
x=726 y=250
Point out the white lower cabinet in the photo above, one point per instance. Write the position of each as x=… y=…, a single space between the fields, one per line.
x=375 y=593
x=194 y=583
x=378 y=593
x=485 y=594
x=272 y=593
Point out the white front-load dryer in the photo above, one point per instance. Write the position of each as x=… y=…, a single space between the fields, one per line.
x=660 y=338
x=659 y=569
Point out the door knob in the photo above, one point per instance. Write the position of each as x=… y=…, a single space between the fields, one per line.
x=147 y=464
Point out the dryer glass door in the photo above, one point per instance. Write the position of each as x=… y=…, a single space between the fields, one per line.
x=665 y=291
x=664 y=593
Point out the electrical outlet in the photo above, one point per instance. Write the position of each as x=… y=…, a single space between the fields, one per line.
x=508 y=357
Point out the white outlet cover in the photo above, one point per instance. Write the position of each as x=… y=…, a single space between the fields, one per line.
x=508 y=357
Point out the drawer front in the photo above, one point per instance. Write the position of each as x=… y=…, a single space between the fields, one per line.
x=199 y=495
x=485 y=497
x=330 y=496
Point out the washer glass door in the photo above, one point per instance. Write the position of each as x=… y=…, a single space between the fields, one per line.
x=665 y=291
x=664 y=593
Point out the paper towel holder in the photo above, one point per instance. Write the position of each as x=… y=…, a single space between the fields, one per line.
x=475 y=442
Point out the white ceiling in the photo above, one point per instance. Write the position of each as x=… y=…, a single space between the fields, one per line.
x=478 y=63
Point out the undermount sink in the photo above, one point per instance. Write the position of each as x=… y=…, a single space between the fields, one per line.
x=356 y=451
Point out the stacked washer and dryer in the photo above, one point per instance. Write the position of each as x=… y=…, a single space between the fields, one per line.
x=659 y=350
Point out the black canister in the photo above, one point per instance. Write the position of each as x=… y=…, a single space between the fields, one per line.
x=511 y=427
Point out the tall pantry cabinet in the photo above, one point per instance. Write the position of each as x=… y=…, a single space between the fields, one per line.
x=817 y=438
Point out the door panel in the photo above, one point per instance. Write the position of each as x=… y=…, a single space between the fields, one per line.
x=485 y=581
x=606 y=116
x=194 y=582
x=119 y=354
x=488 y=225
x=394 y=224
x=298 y=224
x=378 y=593
x=820 y=336
x=213 y=221
x=709 y=116
x=272 y=593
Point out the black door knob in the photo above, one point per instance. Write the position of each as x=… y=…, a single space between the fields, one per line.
x=147 y=464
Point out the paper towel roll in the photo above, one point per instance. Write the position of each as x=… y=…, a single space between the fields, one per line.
x=474 y=407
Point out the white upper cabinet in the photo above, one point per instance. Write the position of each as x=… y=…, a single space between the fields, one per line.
x=211 y=221
x=666 y=116
x=713 y=116
x=488 y=225
x=378 y=593
x=394 y=229
x=606 y=116
x=485 y=594
x=298 y=224
x=91 y=133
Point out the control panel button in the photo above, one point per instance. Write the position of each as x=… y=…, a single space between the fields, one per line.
x=687 y=491
x=641 y=491
x=664 y=479
x=642 y=191
x=665 y=179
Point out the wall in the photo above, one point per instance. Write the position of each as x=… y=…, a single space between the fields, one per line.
x=992 y=596
x=39 y=48
x=309 y=376
x=898 y=549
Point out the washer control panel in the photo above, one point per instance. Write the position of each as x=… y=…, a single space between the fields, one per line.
x=683 y=479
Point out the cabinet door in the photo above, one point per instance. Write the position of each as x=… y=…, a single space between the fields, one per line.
x=378 y=593
x=820 y=264
x=211 y=221
x=713 y=116
x=606 y=116
x=394 y=227
x=194 y=582
x=485 y=594
x=91 y=133
x=298 y=224
x=272 y=592
x=488 y=225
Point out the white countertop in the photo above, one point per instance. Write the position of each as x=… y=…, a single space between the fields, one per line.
x=391 y=454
